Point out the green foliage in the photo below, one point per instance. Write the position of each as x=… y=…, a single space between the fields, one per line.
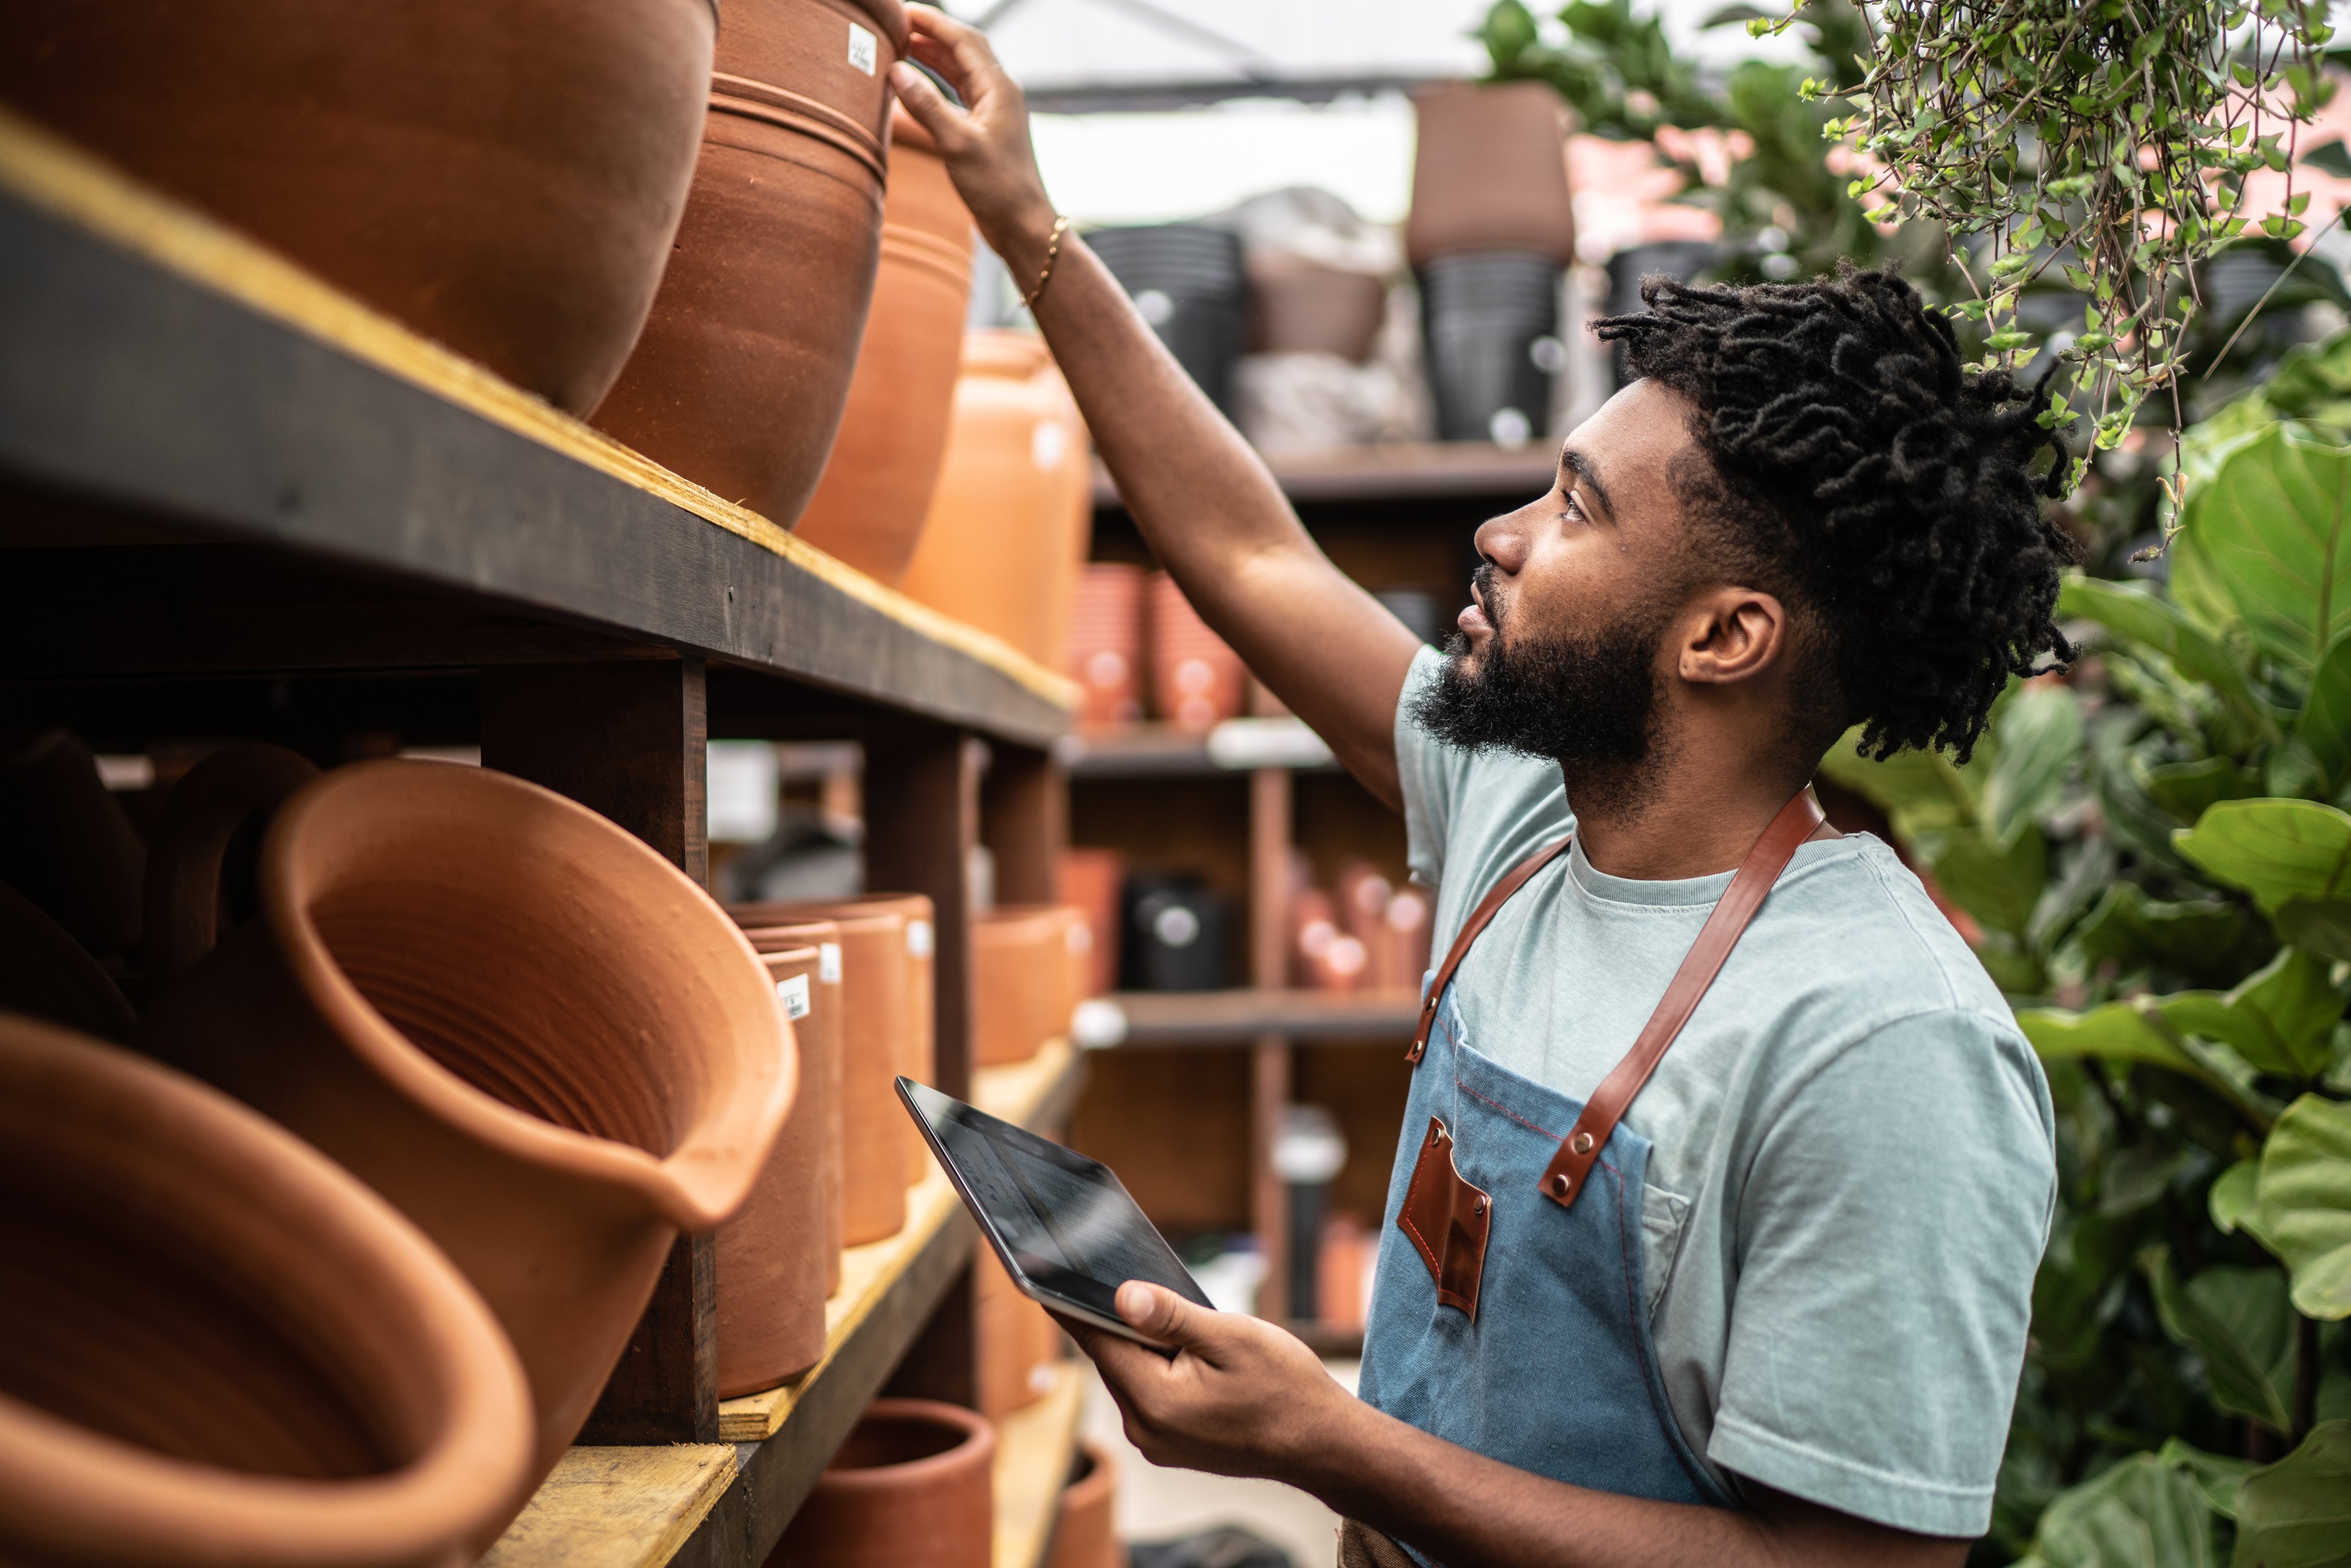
x=2297 y=1512
x=2142 y=1514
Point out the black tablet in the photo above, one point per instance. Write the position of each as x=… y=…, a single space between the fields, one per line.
x=1068 y=1233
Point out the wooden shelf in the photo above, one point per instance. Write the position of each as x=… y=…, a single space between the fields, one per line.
x=1137 y=1019
x=171 y=383
x=1165 y=751
x=1406 y=471
x=726 y=1503
x=1034 y=1447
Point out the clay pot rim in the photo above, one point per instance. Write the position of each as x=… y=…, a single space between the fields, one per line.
x=156 y=1506
x=1096 y=1481
x=979 y=1433
x=699 y=1185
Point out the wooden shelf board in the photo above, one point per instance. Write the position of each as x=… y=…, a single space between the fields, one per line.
x=617 y=1507
x=166 y=370
x=1242 y=1017
x=1403 y=471
x=1034 y=1447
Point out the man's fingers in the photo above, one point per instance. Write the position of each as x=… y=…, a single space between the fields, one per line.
x=925 y=102
x=956 y=51
x=1160 y=1313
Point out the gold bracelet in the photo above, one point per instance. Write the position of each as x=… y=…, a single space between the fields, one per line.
x=1053 y=253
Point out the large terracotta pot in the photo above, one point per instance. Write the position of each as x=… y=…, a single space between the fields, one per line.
x=820 y=1040
x=536 y=1036
x=772 y=1256
x=65 y=845
x=868 y=509
x=217 y=1347
x=739 y=378
x=1086 y=1534
x=874 y=992
x=1028 y=974
x=911 y=1486
x=1489 y=172
x=1007 y=525
x=506 y=178
x=1019 y=1343
x=47 y=974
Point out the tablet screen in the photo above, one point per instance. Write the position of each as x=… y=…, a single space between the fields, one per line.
x=1068 y=1223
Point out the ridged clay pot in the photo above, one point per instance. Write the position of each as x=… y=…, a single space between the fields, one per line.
x=1018 y=1342
x=1008 y=526
x=217 y=1347
x=1086 y=1534
x=874 y=1023
x=504 y=178
x=911 y=1486
x=770 y=1285
x=1026 y=970
x=1489 y=172
x=67 y=845
x=868 y=508
x=738 y=380
x=819 y=1038
x=529 y=1030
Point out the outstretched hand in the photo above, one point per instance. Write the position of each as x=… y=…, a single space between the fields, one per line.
x=1240 y=1397
x=984 y=142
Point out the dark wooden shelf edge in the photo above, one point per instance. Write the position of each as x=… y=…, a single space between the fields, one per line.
x=1242 y=1017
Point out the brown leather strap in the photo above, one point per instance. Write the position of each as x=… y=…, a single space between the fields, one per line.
x=1493 y=901
x=1563 y=1181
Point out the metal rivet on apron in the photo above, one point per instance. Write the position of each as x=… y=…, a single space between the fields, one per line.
x=1580 y=1144
x=1479 y=1207
x=1559 y=1185
x=1436 y=1136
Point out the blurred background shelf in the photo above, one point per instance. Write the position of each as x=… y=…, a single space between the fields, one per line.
x=1143 y=1019
x=1398 y=471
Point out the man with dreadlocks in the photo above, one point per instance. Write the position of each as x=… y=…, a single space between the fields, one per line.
x=1725 y=1171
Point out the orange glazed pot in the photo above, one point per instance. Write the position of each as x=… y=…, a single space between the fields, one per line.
x=216 y=1346
x=819 y=1037
x=868 y=509
x=548 y=1047
x=912 y=1486
x=1086 y=1535
x=504 y=178
x=739 y=378
x=1007 y=525
x=1027 y=971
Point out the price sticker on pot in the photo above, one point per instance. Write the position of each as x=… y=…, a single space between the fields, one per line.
x=794 y=996
x=918 y=938
x=861 y=48
x=828 y=962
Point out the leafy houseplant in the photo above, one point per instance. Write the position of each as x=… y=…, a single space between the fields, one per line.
x=2156 y=860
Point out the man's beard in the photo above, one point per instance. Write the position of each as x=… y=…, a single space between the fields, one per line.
x=1589 y=702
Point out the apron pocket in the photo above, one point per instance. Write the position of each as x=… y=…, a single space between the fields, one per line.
x=1664 y=1220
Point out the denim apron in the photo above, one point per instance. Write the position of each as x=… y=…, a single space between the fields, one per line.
x=1508 y=1313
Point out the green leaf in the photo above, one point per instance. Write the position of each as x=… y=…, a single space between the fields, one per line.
x=2304 y=1193
x=2142 y=1514
x=2280 y=1019
x=2235 y=1201
x=2324 y=730
x=2218 y=1476
x=2118 y=1031
x=2296 y=1514
x=2205 y=940
x=2322 y=925
x=2238 y=1321
x=2040 y=731
x=1998 y=883
x=2188 y=789
x=2274 y=525
x=2138 y=615
x=2274 y=850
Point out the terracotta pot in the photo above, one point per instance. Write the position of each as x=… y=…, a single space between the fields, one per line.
x=868 y=509
x=67 y=845
x=1007 y=525
x=1103 y=652
x=911 y=1486
x=218 y=1347
x=504 y=178
x=1018 y=1342
x=1086 y=1535
x=1489 y=172
x=513 y=1018
x=873 y=1025
x=1299 y=306
x=45 y=973
x=206 y=809
x=820 y=1036
x=1090 y=882
x=1196 y=681
x=739 y=378
x=1027 y=967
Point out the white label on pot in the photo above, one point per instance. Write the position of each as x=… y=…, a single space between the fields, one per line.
x=794 y=994
x=1047 y=445
x=861 y=48
x=828 y=962
x=918 y=938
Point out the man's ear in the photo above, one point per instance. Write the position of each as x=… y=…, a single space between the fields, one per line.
x=1731 y=634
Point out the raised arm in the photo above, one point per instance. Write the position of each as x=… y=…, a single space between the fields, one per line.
x=1203 y=499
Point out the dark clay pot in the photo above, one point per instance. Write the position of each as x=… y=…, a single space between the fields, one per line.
x=503 y=177
x=67 y=845
x=912 y=1485
x=217 y=1346
x=738 y=381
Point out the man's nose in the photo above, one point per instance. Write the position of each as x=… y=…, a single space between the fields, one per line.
x=1503 y=541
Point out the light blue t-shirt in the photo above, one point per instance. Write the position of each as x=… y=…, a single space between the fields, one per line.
x=1853 y=1166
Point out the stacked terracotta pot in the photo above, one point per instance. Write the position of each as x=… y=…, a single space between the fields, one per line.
x=1103 y=652
x=1007 y=525
x=1196 y=681
x=1031 y=967
x=913 y=1484
x=1365 y=935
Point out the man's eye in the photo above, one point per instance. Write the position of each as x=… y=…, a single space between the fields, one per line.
x=1574 y=508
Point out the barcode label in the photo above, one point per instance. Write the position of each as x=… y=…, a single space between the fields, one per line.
x=861 y=48
x=828 y=962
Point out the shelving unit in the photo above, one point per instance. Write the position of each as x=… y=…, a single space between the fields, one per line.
x=236 y=505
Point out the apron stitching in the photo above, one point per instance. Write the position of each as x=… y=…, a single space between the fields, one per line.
x=1521 y=1120
x=1666 y=1422
x=1404 y=1222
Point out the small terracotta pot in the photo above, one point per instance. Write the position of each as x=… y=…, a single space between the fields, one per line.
x=1198 y=682
x=1027 y=967
x=1297 y=306
x=868 y=509
x=874 y=1023
x=504 y=178
x=216 y=1346
x=47 y=975
x=1086 y=1534
x=913 y=1485
x=819 y=1038
x=1018 y=1341
x=1489 y=172
x=738 y=380
x=1090 y=882
x=67 y=845
x=514 y=1019
x=1103 y=652
x=1007 y=525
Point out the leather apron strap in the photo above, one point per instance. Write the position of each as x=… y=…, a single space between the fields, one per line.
x=1486 y=908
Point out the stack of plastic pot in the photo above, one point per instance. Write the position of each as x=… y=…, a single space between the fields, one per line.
x=1196 y=681
x=1490 y=228
x=1104 y=651
x=1187 y=281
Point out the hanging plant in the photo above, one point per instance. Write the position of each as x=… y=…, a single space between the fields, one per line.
x=2107 y=142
